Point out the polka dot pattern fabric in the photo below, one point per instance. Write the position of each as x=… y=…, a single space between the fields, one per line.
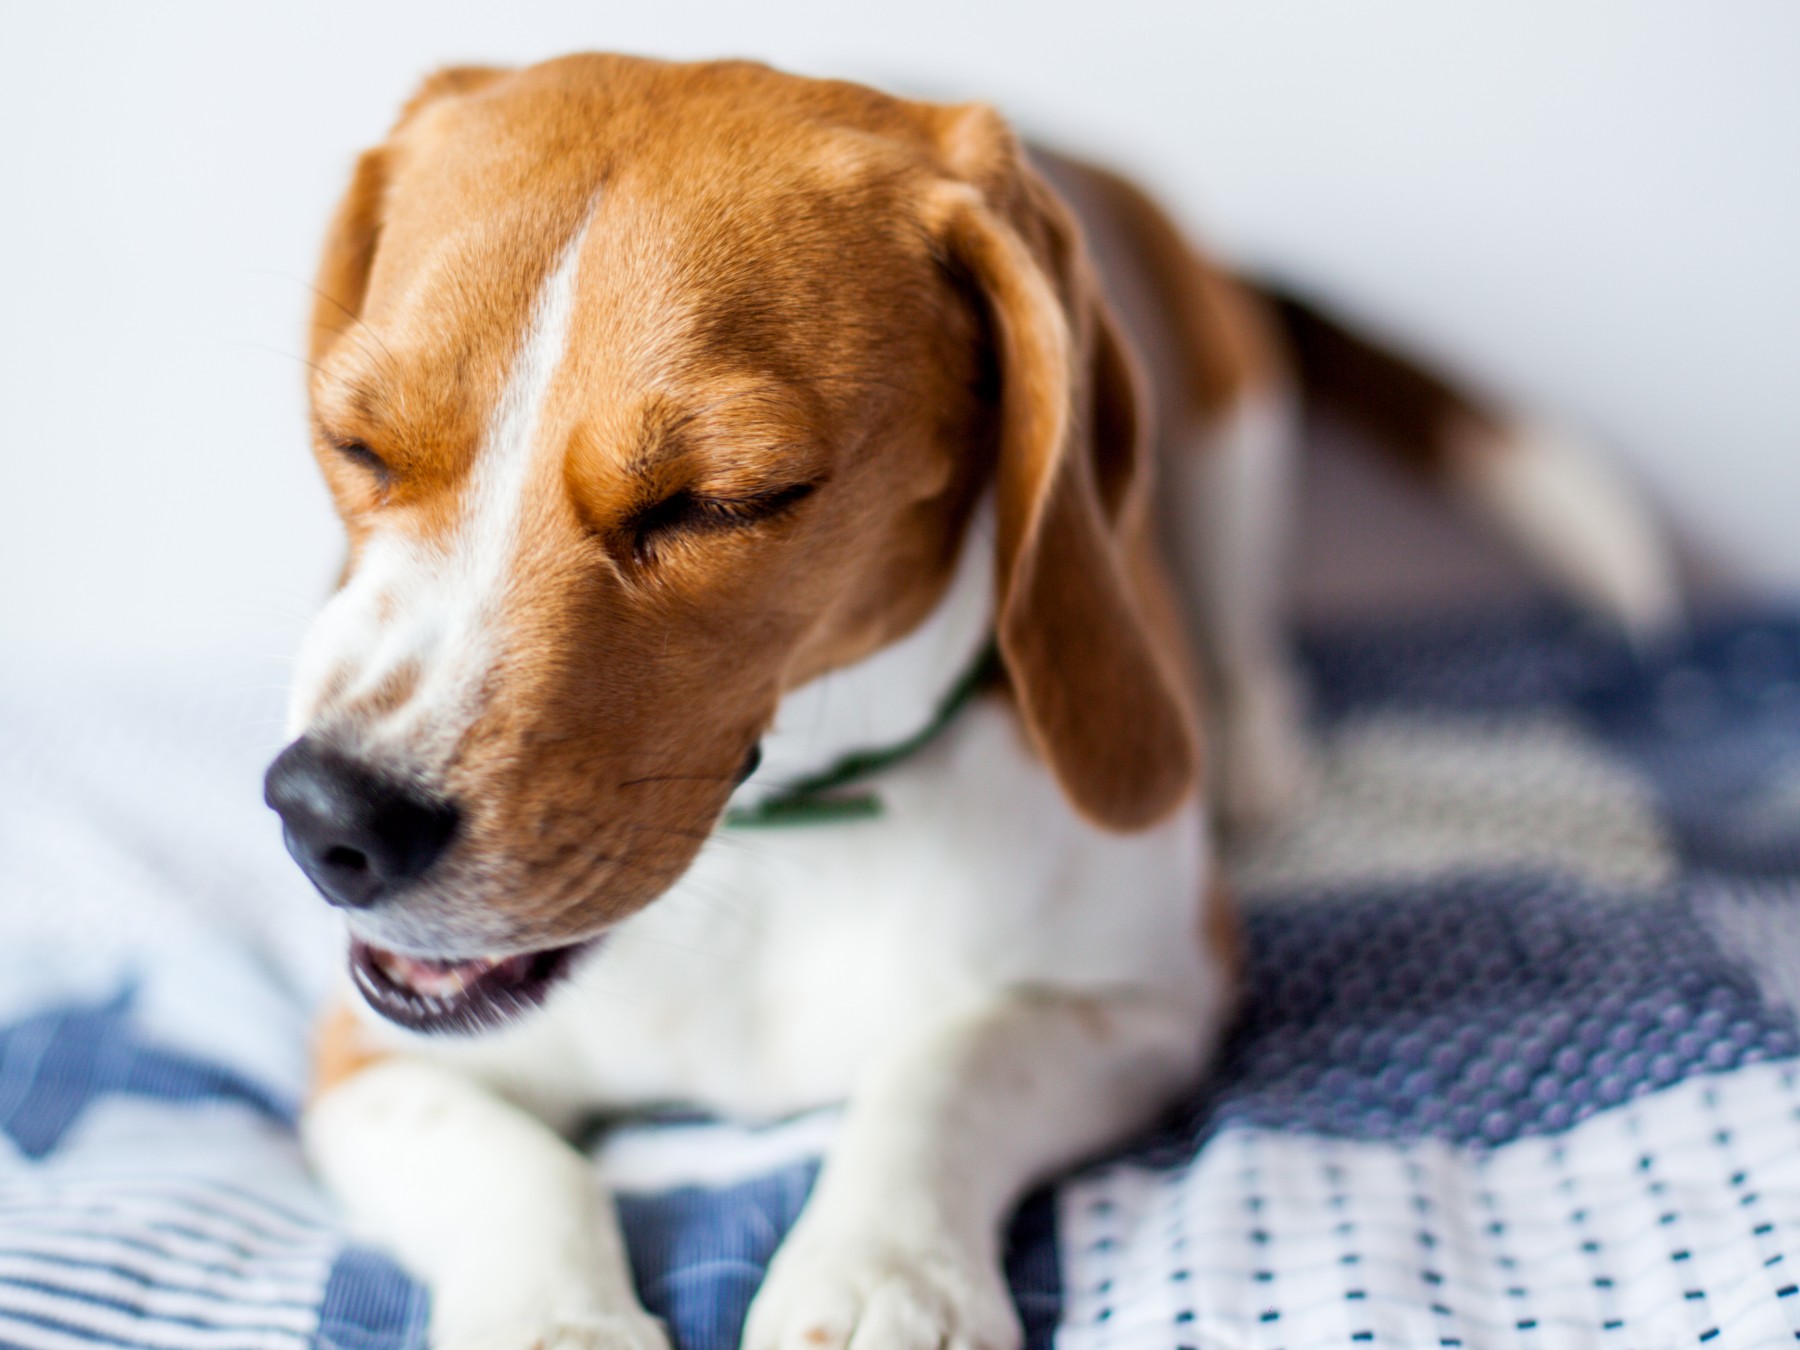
x=1517 y=1061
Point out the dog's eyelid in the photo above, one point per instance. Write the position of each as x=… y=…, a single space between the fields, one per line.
x=359 y=453
x=693 y=510
x=760 y=501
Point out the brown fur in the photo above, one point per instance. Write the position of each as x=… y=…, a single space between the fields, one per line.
x=1409 y=412
x=787 y=284
x=1208 y=339
x=1222 y=930
x=341 y=1049
x=1094 y=678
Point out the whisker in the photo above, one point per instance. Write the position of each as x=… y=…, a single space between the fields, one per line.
x=674 y=831
x=276 y=351
x=336 y=304
x=577 y=890
x=678 y=778
x=355 y=318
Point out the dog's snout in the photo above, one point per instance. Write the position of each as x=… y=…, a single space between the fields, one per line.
x=356 y=833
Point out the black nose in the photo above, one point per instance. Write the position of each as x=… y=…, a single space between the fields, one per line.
x=356 y=833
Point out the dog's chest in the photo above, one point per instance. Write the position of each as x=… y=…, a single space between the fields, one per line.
x=789 y=957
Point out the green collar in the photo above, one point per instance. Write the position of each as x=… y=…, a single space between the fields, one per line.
x=818 y=799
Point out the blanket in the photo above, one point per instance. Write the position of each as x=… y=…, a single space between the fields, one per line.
x=1517 y=1062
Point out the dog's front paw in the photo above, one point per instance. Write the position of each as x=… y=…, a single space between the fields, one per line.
x=838 y=1292
x=622 y=1331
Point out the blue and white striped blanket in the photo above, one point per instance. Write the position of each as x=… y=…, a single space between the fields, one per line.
x=1519 y=1064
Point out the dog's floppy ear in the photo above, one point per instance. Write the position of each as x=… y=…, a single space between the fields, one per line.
x=1097 y=694
x=343 y=276
x=355 y=229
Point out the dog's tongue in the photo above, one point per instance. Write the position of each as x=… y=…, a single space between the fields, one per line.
x=447 y=979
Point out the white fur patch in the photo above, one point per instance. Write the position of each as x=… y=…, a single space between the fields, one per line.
x=1227 y=503
x=441 y=609
x=507 y=1223
x=1580 y=520
x=894 y=694
x=787 y=960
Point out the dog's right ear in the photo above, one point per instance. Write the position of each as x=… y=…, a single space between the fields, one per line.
x=1090 y=675
x=355 y=230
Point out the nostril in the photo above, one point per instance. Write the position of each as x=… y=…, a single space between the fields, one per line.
x=347 y=859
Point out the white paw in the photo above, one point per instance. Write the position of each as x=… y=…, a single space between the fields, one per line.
x=1265 y=767
x=867 y=1293
x=616 y=1331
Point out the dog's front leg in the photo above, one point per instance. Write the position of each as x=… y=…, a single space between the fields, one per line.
x=504 y=1221
x=900 y=1246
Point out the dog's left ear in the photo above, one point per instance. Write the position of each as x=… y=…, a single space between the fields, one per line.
x=1099 y=695
x=355 y=230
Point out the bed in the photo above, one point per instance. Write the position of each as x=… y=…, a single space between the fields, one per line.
x=1517 y=1063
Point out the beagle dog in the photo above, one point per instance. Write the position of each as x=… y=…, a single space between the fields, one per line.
x=790 y=528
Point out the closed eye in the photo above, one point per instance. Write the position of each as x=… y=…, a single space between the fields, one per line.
x=689 y=512
x=364 y=458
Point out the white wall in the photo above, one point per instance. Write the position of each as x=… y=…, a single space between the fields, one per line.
x=1595 y=206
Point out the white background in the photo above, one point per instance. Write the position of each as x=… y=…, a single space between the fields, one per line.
x=1594 y=207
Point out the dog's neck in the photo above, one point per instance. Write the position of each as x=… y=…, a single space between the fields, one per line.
x=895 y=695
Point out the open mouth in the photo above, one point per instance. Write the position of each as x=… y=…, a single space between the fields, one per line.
x=421 y=994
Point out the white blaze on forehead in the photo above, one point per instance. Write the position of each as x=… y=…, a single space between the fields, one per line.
x=488 y=537
x=438 y=609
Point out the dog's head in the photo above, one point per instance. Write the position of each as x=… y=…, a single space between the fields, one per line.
x=648 y=393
